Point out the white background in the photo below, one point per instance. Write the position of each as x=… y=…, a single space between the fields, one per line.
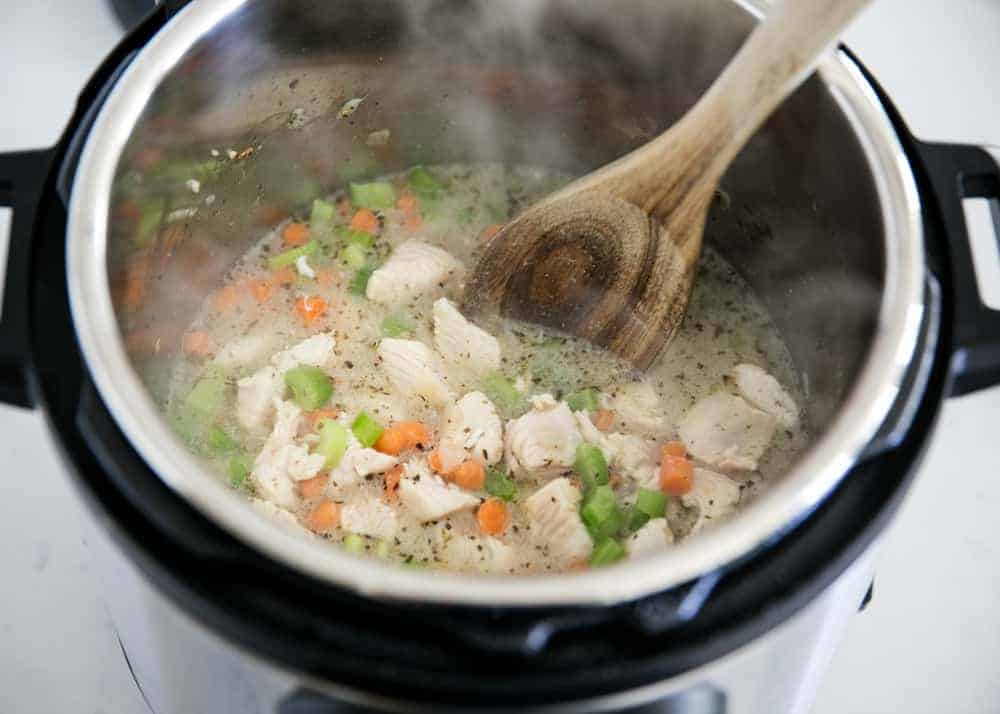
x=928 y=643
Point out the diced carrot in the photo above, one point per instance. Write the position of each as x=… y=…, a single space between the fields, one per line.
x=313 y=487
x=327 y=277
x=261 y=288
x=295 y=234
x=491 y=231
x=403 y=436
x=407 y=202
x=604 y=419
x=434 y=461
x=324 y=517
x=196 y=343
x=283 y=276
x=673 y=448
x=310 y=308
x=226 y=299
x=392 y=478
x=577 y=565
x=676 y=475
x=469 y=474
x=365 y=221
x=492 y=517
x=136 y=274
x=412 y=220
x=319 y=415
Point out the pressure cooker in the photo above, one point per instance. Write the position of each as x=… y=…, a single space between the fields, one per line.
x=849 y=229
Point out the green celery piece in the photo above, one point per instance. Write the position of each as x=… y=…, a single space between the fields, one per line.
x=600 y=512
x=652 y=503
x=310 y=386
x=423 y=183
x=377 y=195
x=322 y=213
x=354 y=257
x=504 y=395
x=591 y=466
x=188 y=425
x=634 y=520
x=382 y=549
x=207 y=395
x=606 y=552
x=150 y=215
x=585 y=400
x=366 y=430
x=359 y=283
x=500 y=485
x=283 y=260
x=219 y=442
x=395 y=326
x=239 y=468
x=332 y=442
x=354 y=543
x=353 y=237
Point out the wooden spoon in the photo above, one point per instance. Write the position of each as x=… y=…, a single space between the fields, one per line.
x=612 y=256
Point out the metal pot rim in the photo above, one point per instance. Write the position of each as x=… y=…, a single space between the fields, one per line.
x=779 y=509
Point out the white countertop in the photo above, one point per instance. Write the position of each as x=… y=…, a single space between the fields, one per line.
x=929 y=643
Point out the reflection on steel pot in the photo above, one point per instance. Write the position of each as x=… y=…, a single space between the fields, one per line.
x=248 y=106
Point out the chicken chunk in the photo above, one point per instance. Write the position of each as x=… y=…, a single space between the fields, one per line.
x=651 y=538
x=554 y=510
x=637 y=406
x=370 y=517
x=543 y=441
x=358 y=461
x=480 y=553
x=255 y=396
x=424 y=494
x=714 y=495
x=244 y=351
x=470 y=428
x=315 y=351
x=462 y=343
x=282 y=462
x=764 y=392
x=626 y=454
x=414 y=269
x=724 y=431
x=413 y=369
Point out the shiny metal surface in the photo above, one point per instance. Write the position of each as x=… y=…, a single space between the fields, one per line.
x=821 y=213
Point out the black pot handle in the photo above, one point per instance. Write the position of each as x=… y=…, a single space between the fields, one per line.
x=22 y=175
x=957 y=172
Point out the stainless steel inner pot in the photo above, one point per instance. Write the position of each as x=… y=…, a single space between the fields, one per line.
x=819 y=213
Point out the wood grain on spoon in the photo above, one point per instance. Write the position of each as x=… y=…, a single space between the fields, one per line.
x=612 y=257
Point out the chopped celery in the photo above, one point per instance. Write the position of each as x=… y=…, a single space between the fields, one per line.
x=359 y=283
x=366 y=430
x=652 y=503
x=353 y=237
x=591 y=466
x=322 y=213
x=600 y=512
x=354 y=543
x=310 y=386
x=150 y=215
x=634 y=520
x=584 y=400
x=207 y=395
x=283 y=260
x=382 y=549
x=188 y=425
x=606 y=552
x=354 y=257
x=219 y=442
x=332 y=442
x=239 y=468
x=395 y=326
x=504 y=395
x=376 y=195
x=423 y=183
x=500 y=485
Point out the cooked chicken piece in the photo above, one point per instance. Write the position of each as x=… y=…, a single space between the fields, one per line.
x=480 y=553
x=724 y=431
x=554 y=510
x=281 y=461
x=637 y=406
x=470 y=428
x=462 y=343
x=424 y=494
x=413 y=370
x=543 y=441
x=651 y=538
x=628 y=455
x=255 y=396
x=358 y=461
x=315 y=351
x=246 y=350
x=714 y=495
x=370 y=517
x=413 y=269
x=764 y=392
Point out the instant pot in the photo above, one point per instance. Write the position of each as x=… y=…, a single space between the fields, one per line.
x=213 y=120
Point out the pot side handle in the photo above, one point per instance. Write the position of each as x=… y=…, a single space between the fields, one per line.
x=957 y=172
x=22 y=175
